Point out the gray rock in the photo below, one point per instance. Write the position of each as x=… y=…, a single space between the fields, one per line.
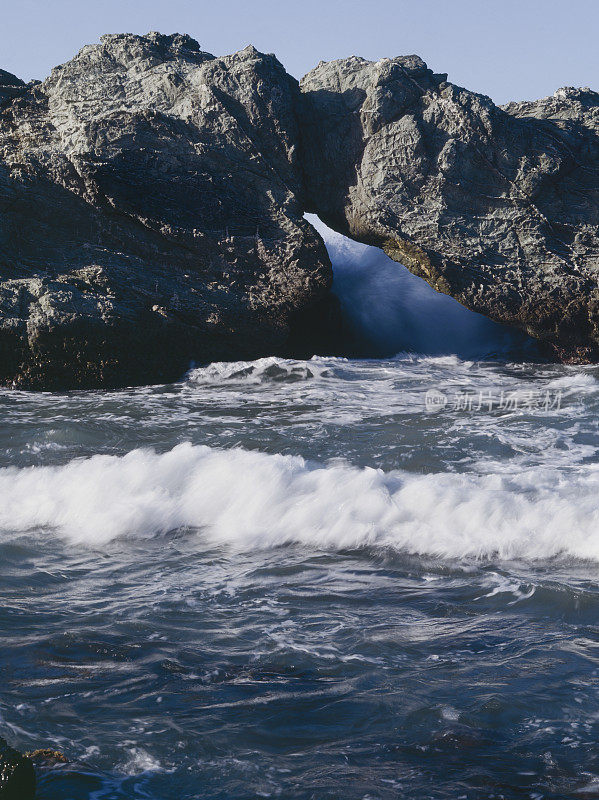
x=498 y=207
x=10 y=87
x=17 y=774
x=151 y=214
x=152 y=200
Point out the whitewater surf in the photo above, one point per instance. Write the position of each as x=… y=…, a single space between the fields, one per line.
x=281 y=576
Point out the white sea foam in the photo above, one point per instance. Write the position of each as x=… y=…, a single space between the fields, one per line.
x=251 y=500
x=262 y=370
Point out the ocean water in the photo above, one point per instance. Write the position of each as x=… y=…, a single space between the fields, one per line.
x=311 y=579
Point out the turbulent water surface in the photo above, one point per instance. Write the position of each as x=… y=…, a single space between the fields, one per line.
x=320 y=579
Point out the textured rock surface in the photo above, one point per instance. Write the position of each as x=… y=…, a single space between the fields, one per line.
x=150 y=214
x=17 y=775
x=152 y=200
x=498 y=207
x=10 y=87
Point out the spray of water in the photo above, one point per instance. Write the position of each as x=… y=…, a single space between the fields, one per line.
x=389 y=310
x=248 y=500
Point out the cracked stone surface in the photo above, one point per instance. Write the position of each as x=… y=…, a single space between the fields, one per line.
x=150 y=215
x=498 y=207
x=152 y=200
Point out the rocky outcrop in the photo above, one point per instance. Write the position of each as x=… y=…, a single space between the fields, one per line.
x=152 y=200
x=17 y=774
x=151 y=214
x=10 y=87
x=498 y=207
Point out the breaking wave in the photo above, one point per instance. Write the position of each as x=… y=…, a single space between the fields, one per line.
x=252 y=500
x=262 y=370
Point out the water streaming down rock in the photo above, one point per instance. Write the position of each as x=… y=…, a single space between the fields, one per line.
x=387 y=310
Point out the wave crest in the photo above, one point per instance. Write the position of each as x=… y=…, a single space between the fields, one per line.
x=252 y=500
x=263 y=370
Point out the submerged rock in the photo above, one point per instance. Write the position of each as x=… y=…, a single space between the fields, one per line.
x=17 y=774
x=498 y=207
x=150 y=215
x=46 y=757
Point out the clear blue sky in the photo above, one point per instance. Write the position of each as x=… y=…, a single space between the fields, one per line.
x=508 y=49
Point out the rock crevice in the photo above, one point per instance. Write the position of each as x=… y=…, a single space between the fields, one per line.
x=497 y=207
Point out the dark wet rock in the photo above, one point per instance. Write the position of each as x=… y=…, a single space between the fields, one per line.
x=152 y=200
x=151 y=215
x=17 y=775
x=498 y=207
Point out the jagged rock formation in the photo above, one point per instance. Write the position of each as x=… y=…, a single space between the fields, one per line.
x=10 y=87
x=152 y=200
x=498 y=207
x=150 y=214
